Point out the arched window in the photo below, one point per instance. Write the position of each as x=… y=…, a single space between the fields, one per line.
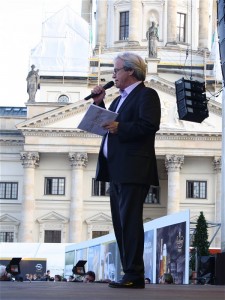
x=63 y=98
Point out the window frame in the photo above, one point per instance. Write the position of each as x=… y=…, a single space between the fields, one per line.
x=124 y=25
x=11 y=190
x=47 y=187
x=99 y=233
x=181 y=27
x=47 y=231
x=99 y=186
x=153 y=191
x=190 y=191
x=9 y=236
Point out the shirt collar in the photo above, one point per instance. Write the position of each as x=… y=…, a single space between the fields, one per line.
x=129 y=89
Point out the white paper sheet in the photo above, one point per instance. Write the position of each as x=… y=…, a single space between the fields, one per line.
x=95 y=118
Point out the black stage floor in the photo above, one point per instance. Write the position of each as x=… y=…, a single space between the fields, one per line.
x=97 y=291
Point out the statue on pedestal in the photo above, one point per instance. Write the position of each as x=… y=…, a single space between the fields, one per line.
x=152 y=37
x=33 y=83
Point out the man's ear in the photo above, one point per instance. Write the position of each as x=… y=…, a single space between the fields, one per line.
x=130 y=71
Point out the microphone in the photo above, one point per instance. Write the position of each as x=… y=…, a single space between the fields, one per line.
x=105 y=87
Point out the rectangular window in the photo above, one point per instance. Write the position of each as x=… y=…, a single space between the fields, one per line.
x=100 y=188
x=96 y=234
x=8 y=190
x=196 y=189
x=52 y=236
x=94 y=63
x=6 y=237
x=153 y=195
x=181 y=27
x=124 y=25
x=54 y=186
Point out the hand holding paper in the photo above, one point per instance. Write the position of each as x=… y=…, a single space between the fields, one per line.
x=95 y=118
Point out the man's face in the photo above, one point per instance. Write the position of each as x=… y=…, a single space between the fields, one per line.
x=122 y=78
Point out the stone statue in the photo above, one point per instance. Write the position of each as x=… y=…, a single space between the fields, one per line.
x=33 y=83
x=152 y=37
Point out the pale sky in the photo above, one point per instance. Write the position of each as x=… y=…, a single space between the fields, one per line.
x=20 y=32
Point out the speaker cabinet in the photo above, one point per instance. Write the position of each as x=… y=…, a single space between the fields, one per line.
x=220 y=269
x=191 y=100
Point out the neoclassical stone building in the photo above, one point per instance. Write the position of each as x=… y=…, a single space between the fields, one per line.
x=47 y=187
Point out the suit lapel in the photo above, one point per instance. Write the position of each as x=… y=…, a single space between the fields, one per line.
x=130 y=96
x=114 y=104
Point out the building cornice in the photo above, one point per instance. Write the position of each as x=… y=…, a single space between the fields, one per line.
x=50 y=132
x=11 y=143
x=195 y=136
x=161 y=135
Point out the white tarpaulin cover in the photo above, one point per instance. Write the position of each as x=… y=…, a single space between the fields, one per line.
x=64 y=48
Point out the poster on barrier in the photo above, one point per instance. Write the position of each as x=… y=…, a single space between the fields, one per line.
x=166 y=251
x=109 y=261
x=148 y=254
x=94 y=259
x=171 y=252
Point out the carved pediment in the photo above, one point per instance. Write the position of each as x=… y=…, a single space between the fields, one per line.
x=63 y=117
x=67 y=118
x=99 y=218
x=7 y=219
x=52 y=217
x=122 y=2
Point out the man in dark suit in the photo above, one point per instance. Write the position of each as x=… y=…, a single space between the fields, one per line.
x=127 y=160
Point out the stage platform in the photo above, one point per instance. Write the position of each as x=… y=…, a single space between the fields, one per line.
x=97 y=291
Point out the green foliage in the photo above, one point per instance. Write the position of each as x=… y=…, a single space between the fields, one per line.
x=201 y=236
x=192 y=259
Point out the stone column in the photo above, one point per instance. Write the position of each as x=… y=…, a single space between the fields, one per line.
x=173 y=165
x=171 y=22
x=134 y=22
x=29 y=161
x=203 y=23
x=101 y=18
x=217 y=167
x=78 y=163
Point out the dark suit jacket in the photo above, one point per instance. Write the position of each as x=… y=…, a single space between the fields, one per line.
x=131 y=152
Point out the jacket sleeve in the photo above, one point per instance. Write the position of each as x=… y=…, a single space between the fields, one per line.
x=142 y=119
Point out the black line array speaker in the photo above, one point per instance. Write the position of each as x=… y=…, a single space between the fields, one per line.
x=191 y=100
x=220 y=269
x=221 y=33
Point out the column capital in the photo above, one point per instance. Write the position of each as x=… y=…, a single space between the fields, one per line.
x=174 y=162
x=29 y=159
x=78 y=159
x=217 y=163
